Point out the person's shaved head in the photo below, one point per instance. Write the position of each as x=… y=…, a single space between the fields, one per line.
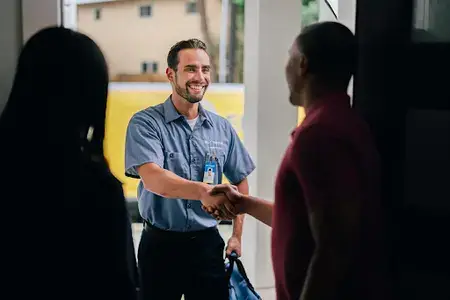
x=323 y=54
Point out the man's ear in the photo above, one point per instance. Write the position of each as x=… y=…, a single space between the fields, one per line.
x=304 y=67
x=170 y=73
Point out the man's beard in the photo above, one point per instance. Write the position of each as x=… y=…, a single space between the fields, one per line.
x=184 y=93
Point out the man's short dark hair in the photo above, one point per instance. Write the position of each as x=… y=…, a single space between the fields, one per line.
x=172 y=57
x=330 y=49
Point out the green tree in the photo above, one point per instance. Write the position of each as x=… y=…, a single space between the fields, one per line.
x=310 y=12
x=212 y=44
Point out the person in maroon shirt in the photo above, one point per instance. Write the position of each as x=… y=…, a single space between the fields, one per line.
x=326 y=218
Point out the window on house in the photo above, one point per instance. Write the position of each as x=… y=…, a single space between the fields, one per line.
x=144 y=67
x=97 y=13
x=155 y=67
x=149 y=67
x=145 y=11
x=191 y=7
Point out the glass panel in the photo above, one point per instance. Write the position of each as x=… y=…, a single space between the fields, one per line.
x=333 y=4
x=431 y=21
x=427 y=160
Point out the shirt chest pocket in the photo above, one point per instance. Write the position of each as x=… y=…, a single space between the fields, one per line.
x=220 y=159
x=176 y=163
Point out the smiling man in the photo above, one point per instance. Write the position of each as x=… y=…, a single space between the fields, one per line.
x=179 y=151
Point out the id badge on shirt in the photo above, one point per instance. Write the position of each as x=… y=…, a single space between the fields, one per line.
x=210 y=170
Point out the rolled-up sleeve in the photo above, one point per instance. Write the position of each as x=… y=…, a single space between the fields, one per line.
x=238 y=164
x=143 y=145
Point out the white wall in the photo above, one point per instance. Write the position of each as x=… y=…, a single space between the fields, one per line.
x=18 y=21
x=269 y=118
x=10 y=43
x=347 y=13
x=325 y=13
x=37 y=14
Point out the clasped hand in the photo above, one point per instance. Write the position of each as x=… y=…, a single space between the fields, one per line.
x=223 y=202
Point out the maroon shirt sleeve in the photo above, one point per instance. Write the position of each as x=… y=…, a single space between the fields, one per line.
x=328 y=173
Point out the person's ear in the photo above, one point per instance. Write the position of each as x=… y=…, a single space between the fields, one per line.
x=170 y=73
x=303 y=65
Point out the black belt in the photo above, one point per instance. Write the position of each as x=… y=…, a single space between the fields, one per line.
x=187 y=234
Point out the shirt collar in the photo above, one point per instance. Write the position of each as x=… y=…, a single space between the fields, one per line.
x=171 y=114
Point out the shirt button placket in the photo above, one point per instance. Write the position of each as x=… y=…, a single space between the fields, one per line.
x=193 y=176
x=188 y=215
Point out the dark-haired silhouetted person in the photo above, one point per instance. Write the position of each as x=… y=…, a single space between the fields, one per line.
x=65 y=226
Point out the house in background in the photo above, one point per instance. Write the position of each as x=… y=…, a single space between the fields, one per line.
x=136 y=35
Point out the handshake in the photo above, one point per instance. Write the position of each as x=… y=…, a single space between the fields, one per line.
x=223 y=202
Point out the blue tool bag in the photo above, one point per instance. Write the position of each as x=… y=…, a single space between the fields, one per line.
x=239 y=286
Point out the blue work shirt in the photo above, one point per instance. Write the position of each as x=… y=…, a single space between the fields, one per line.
x=160 y=135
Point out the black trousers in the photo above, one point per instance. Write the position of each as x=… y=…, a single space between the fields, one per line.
x=172 y=264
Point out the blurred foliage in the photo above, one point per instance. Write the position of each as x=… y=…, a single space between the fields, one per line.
x=307 y=2
x=310 y=12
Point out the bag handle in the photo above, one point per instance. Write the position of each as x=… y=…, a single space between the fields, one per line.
x=234 y=259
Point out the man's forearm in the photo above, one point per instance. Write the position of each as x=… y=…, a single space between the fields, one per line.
x=238 y=221
x=169 y=185
x=259 y=209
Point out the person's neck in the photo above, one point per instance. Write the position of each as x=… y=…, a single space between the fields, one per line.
x=315 y=94
x=184 y=107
